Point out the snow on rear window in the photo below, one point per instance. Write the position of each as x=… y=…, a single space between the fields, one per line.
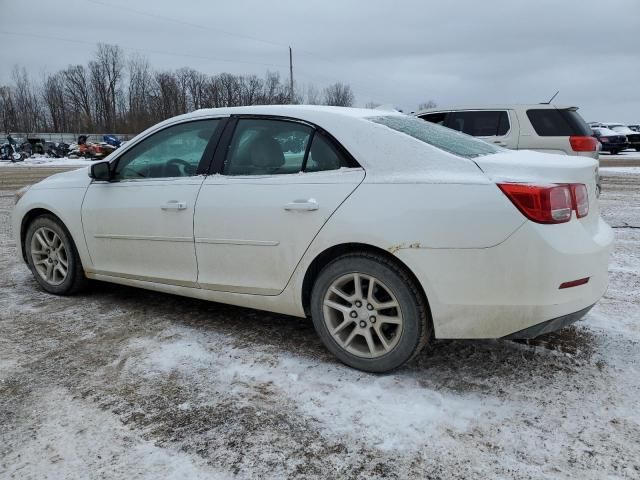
x=440 y=137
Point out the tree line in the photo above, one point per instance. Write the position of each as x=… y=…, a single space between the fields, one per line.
x=116 y=93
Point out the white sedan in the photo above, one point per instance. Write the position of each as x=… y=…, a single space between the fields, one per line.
x=387 y=230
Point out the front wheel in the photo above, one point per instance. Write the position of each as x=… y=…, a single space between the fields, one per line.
x=369 y=312
x=52 y=256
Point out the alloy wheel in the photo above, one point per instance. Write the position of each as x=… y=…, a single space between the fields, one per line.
x=363 y=315
x=49 y=255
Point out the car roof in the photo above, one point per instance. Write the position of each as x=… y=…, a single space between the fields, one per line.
x=504 y=106
x=296 y=111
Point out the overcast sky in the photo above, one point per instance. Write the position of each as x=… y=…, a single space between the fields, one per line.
x=402 y=52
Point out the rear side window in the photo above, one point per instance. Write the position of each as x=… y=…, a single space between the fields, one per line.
x=557 y=123
x=323 y=155
x=440 y=137
x=438 y=118
x=483 y=123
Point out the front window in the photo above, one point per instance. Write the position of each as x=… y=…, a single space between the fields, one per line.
x=440 y=137
x=175 y=151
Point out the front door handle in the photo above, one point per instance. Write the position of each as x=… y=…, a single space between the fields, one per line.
x=174 y=205
x=302 y=205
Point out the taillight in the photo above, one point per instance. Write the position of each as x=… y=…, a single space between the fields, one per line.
x=548 y=203
x=580 y=199
x=583 y=143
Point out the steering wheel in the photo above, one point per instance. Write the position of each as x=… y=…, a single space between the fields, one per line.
x=187 y=168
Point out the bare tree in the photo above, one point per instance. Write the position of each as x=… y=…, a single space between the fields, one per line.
x=164 y=99
x=372 y=105
x=196 y=84
x=106 y=75
x=79 y=97
x=427 y=104
x=339 y=94
x=312 y=95
x=8 y=114
x=126 y=95
x=53 y=94
x=25 y=102
x=138 y=91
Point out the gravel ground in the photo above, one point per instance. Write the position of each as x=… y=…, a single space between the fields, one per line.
x=125 y=383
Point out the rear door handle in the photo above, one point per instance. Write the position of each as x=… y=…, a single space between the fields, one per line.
x=302 y=205
x=174 y=205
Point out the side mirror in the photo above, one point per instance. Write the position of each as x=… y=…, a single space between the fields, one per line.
x=100 y=171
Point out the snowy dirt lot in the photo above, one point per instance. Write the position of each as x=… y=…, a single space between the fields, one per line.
x=123 y=383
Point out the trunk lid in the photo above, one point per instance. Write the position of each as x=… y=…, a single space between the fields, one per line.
x=524 y=166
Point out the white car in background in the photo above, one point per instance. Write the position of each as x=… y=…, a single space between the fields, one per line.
x=387 y=230
x=541 y=127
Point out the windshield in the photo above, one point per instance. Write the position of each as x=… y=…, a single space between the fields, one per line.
x=440 y=137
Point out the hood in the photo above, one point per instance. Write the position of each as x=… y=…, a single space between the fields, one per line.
x=70 y=179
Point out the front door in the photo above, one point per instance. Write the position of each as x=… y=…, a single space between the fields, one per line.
x=140 y=225
x=281 y=181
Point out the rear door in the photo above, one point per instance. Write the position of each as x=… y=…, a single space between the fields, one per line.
x=493 y=126
x=279 y=181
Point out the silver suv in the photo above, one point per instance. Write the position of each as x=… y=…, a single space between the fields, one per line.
x=542 y=127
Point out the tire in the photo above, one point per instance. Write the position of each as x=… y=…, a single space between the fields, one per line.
x=637 y=149
x=394 y=343
x=44 y=228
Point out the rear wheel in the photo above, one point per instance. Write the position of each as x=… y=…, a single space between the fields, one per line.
x=369 y=312
x=52 y=256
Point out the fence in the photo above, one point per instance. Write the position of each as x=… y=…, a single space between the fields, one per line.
x=64 y=137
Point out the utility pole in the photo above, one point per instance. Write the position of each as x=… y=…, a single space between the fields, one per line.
x=290 y=77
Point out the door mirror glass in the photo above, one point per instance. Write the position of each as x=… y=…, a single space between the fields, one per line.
x=100 y=171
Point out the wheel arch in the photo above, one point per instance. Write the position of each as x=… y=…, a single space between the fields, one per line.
x=331 y=253
x=29 y=217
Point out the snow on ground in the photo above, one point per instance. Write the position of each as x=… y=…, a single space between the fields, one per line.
x=125 y=383
x=625 y=155
x=42 y=161
x=619 y=170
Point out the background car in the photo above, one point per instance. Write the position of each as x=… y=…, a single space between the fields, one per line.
x=633 y=138
x=611 y=141
x=387 y=230
x=541 y=127
x=635 y=127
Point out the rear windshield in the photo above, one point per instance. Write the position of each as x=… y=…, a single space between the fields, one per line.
x=557 y=123
x=438 y=136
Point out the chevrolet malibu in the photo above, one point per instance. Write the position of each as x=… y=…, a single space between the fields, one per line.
x=388 y=231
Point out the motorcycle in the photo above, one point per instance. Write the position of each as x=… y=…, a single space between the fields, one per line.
x=57 y=149
x=11 y=151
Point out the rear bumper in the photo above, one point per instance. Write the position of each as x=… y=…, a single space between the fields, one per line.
x=549 y=326
x=514 y=286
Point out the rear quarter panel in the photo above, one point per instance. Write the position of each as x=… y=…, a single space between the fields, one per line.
x=430 y=218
